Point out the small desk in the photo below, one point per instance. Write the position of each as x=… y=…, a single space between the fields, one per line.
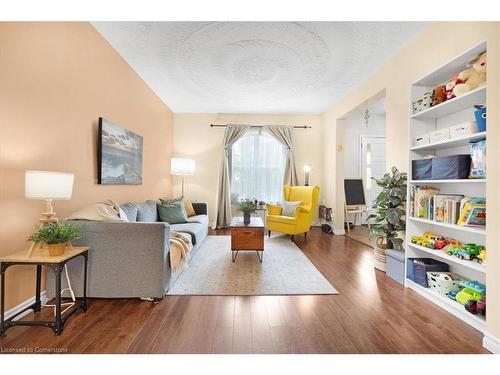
x=39 y=258
x=247 y=237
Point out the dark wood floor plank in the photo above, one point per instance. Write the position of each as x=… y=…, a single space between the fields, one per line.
x=372 y=314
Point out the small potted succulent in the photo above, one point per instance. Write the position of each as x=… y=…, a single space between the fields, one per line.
x=56 y=236
x=247 y=206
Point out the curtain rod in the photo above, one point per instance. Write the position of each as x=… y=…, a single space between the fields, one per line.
x=259 y=126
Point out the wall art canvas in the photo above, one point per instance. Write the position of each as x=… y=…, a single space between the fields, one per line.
x=120 y=155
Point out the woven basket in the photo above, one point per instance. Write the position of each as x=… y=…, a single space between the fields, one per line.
x=379 y=257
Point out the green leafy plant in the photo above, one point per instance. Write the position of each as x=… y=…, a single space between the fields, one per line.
x=247 y=206
x=390 y=216
x=56 y=233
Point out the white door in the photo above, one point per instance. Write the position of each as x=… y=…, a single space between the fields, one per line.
x=372 y=164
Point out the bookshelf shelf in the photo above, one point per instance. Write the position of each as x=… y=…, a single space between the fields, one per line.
x=449 y=113
x=473 y=265
x=451 y=143
x=453 y=307
x=465 y=181
x=462 y=228
x=477 y=96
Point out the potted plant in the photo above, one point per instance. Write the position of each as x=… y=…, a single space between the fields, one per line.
x=247 y=206
x=389 y=216
x=56 y=236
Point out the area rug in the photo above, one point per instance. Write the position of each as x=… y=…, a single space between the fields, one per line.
x=285 y=270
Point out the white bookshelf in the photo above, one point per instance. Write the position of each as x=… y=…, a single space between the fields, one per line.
x=444 y=115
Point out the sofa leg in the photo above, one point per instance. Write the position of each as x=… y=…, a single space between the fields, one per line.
x=305 y=236
x=268 y=233
x=291 y=238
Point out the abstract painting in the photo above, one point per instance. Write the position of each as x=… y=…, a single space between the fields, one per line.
x=119 y=155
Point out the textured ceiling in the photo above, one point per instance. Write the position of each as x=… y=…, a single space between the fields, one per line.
x=255 y=67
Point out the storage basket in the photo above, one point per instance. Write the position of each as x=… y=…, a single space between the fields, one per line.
x=423 y=103
x=421 y=169
x=451 y=167
x=439 y=135
x=463 y=130
x=421 y=140
x=417 y=268
x=444 y=282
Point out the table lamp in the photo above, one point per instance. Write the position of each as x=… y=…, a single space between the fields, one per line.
x=182 y=167
x=48 y=186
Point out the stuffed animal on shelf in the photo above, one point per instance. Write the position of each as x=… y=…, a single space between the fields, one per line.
x=473 y=77
x=450 y=86
x=438 y=95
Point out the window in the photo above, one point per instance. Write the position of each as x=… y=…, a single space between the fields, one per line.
x=257 y=167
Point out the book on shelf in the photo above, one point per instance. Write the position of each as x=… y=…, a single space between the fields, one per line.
x=422 y=202
x=446 y=208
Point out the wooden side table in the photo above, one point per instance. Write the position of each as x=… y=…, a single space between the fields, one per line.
x=39 y=258
x=247 y=237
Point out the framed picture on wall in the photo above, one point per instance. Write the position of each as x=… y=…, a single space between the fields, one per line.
x=119 y=155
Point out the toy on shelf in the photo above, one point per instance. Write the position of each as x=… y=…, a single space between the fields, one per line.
x=481 y=258
x=481 y=306
x=472 y=291
x=472 y=77
x=478 y=159
x=430 y=240
x=472 y=211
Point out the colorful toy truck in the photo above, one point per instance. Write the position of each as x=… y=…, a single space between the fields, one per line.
x=472 y=291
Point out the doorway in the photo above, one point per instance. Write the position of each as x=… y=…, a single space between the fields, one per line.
x=372 y=165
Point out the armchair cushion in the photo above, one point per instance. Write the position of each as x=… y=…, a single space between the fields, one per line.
x=273 y=209
x=281 y=219
x=289 y=208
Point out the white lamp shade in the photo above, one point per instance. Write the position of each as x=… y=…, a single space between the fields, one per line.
x=182 y=167
x=48 y=185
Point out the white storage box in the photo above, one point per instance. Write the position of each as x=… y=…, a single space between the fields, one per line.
x=444 y=282
x=439 y=135
x=421 y=140
x=463 y=130
x=422 y=103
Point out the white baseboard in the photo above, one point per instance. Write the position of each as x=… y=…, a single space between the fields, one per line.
x=10 y=313
x=339 y=232
x=491 y=343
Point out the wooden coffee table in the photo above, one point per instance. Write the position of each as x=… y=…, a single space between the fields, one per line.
x=247 y=237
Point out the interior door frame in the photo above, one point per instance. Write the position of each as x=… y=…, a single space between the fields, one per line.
x=360 y=161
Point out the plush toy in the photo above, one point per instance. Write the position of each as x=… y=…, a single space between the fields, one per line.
x=450 y=86
x=473 y=77
x=438 y=95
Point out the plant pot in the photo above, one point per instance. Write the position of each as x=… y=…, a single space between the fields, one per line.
x=246 y=217
x=379 y=257
x=56 y=249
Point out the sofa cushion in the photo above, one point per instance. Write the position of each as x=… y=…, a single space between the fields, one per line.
x=174 y=213
x=130 y=210
x=147 y=212
x=196 y=230
x=202 y=219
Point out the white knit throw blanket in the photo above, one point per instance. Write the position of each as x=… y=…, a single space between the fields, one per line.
x=180 y=249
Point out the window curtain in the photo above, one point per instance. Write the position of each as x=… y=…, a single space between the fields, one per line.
x=231 y=135
x=283 y=134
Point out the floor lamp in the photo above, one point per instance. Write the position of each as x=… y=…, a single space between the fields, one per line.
x=50 y=186
x=182 y=167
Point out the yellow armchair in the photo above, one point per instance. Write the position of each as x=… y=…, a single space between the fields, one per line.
x=304 y=213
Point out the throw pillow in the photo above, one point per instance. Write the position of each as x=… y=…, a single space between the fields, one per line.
x=130 y=210
x=289 y=208
x=147 y=212
x=188 y=205
x=174 y=213
x=170 y=200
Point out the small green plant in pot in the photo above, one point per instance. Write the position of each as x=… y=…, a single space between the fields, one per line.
x=390 y=215
x=247 y=206
x=56 y=236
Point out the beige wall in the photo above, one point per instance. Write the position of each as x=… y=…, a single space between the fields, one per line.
x=56 y=79
x=194 y=138
x=435 y=46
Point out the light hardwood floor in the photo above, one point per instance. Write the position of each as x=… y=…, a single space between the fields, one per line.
x=372 y=314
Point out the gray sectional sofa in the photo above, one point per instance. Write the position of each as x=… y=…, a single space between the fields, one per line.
x=131 y=259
